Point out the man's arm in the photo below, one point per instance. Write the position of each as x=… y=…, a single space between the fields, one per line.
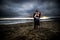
x=40 y=15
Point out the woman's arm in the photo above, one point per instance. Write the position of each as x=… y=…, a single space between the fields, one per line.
x=34 y=15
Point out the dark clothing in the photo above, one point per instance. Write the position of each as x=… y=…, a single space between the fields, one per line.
x=36 y=20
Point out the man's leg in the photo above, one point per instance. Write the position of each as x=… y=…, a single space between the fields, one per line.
x=39 y=23
x=35 y=26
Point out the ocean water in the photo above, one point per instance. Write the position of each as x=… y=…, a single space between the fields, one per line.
x=20 y=21
x=15 y=21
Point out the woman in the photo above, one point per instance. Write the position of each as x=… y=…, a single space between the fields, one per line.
x=36 y=17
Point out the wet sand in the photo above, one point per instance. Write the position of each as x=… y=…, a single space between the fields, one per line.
x=25 y=31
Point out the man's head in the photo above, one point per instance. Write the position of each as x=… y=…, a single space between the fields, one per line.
x=36 y=10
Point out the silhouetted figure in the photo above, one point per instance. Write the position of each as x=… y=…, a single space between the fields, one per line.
x=36 y=17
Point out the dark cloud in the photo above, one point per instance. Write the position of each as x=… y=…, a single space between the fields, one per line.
x=8 y=13
x=15 y=8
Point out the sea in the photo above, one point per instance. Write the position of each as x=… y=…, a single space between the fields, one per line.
x=15 y=21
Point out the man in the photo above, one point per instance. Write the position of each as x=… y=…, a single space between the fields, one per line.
x=36 y=17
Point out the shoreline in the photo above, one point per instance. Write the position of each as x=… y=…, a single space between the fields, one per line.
x=27 y=22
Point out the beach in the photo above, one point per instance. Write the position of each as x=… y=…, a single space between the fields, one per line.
x=47 y=30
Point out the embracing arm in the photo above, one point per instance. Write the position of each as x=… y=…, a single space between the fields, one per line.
x=40 y=15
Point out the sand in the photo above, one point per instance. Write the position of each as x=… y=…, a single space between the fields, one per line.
x=25 y=31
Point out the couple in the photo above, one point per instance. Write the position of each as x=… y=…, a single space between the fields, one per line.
x=36 y=17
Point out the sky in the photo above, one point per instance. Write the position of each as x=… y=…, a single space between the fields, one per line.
x=26 y=8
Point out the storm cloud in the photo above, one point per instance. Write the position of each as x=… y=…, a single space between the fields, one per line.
x=25 y=8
